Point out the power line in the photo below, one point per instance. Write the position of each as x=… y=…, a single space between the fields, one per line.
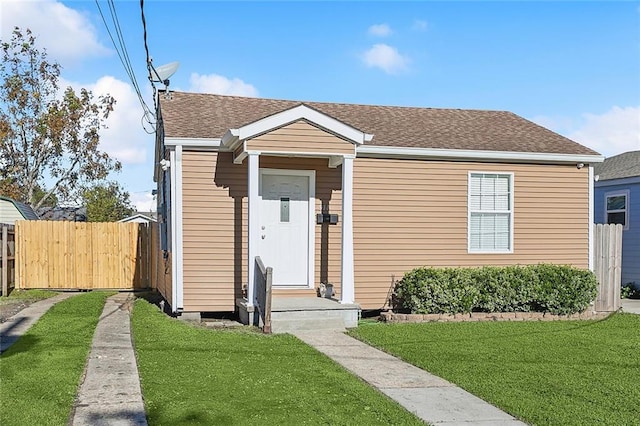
x=146 y=49
x=123 y=55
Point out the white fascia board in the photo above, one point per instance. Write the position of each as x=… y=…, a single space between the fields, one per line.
x=283 y=118
x=191 y=143
x=620 y=181
x=472 y=155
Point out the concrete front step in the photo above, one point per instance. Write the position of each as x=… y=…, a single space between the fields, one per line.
x=285 y=325
x=309 y=314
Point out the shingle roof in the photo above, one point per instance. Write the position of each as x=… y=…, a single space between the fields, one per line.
x=25 y=210
x=619 y=166
x=194 y=115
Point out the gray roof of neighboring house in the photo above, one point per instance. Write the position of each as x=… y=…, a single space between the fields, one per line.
x=73 y=214
x=25 y=209
x=196 y=115
x=619 y=166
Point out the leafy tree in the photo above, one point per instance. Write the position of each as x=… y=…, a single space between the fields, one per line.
x=46 y=136
x=107 y=202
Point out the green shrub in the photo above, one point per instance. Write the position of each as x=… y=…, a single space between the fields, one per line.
x=629 y=291
x=543 y=288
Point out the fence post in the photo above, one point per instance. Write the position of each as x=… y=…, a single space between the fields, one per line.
x=608 y=266
x=5 y=260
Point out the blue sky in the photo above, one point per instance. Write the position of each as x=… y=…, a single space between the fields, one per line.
x=573 y=67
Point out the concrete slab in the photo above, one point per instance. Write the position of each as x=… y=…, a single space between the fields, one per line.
x=110 y=393
x=449 y=406
x=16 y=326
x=631 y=306
x=429 y=397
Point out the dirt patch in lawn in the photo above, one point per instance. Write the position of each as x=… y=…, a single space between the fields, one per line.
x=9 y=308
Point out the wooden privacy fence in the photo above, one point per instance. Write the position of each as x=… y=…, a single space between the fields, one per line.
x=73 y=255
x=7 y=257
x=607 y=243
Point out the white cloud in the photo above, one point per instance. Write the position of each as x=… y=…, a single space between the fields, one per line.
x=143 y=201
x=380 y=30
x=386 y=58
x=64 y=32
x=614 y=132
x=611 y=133
x=419 y=25
x=220 y=85
x=125 y=139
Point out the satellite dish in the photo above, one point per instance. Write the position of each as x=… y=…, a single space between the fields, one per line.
x=163 y=72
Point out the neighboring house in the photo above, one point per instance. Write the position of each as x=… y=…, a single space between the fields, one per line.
x=617 y=200
x=12 y=210
x=71 y=214
x=141 y=217
x=357 y=195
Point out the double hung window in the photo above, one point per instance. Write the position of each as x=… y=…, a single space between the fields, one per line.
x=490 y=212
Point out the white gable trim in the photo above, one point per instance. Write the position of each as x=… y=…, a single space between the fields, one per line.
x=301 y=112
x=472 y=155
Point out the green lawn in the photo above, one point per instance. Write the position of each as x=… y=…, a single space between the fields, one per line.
x=40 y=373
x=193 y=375
x=28 y=295
x=545 y=373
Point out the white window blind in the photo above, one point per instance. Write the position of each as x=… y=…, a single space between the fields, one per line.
x=490 y=212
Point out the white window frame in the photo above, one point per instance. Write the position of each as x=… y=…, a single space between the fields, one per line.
x=510 y=211
x=622 y=192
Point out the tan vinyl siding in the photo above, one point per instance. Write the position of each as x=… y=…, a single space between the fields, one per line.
x=301 y=137
x=161 y=274
x=410 y=213
x=214 y=224
x=215 y=227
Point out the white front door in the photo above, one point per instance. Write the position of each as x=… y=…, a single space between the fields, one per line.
x=285 y=226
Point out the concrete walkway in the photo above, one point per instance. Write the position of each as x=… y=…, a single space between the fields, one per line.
x=631 y=306
x=429 y=397
x=12 y=329
x=110 y=393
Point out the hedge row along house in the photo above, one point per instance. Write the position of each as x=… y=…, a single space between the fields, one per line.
x=355 y=196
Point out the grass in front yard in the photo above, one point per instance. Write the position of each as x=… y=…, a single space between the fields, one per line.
x=192 y=375
x=30 y=295
x=546 y=373
x=41 y=372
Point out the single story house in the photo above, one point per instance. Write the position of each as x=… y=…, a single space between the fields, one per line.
x=12 y=210
x=617 y=200
x=140 y=217
x=356 y=195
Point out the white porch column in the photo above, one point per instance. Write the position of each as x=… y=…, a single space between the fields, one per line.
x=253 y=221
x=347 y=293
x=591 y=219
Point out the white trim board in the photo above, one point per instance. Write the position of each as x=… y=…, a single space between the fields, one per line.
x=233 y=137
x=472 y=155
x=620 y=181
x=194 y=143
